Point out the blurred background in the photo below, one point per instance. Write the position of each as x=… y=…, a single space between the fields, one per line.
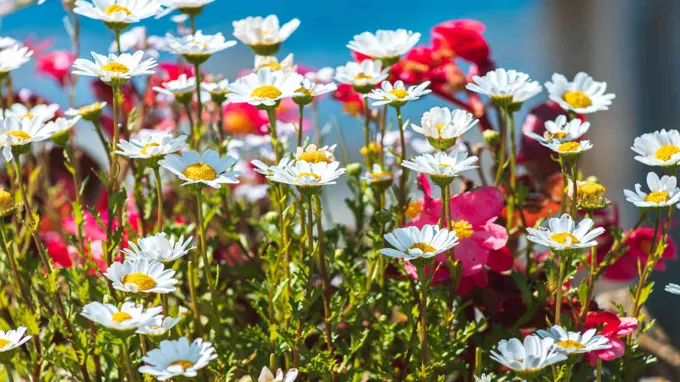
x=633 y=45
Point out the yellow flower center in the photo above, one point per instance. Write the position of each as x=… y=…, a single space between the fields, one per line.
x=143 y=282
x=657 y=197
x=577 y=99
x=305 y=91
x=117 y=8
x=362 y=76
x=115 y=67
x=146 y=146
x=90 y=108
x=439 y=126
x=6 y=200
x=381 y=174
x=22 y=135
x=27 y=116
x=570 y=344
x=314 y=157
x=121 y=316
x=463 y=229
x=666 y=152
x=423 y=247
x=181 y=362
x=399 y=93
x=4 y=342
x=272 y=65
x=561 y=237
x=414 y=209
x=373 y=148
x=591 y=190
x=569 y=146
x=266 y=91
x=308 y=175
x=200 y=171
x=557 y=134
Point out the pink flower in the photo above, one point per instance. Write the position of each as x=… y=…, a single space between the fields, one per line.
x=473 y=214
x=56 y=64
x=613 y=327
x=241 y=119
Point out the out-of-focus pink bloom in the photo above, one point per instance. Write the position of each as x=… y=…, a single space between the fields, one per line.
x=461 y=38
x=242 y=119
x=422 y=64
x=613 y=327
x=56 y=65
x=352 y=103
x=65 y=256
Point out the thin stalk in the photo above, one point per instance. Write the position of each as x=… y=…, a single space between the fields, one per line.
x=404 y=171
x=102 y=138
x=423 y=321
x=299 y=131
x=192 y=295
x=192 y=131
x=7 y=248
x=128 y=362
x=159 y=196
x=271 y=113
x=204 y=255
x=80 y=232
x=367 y=134
x=199 y=112
x=118 y=46
x=558 y=289
x=592 y=274
x=500 y=157
x=574 y=192
x=510 y=121
x=111 y=186
x=598 y=371
x=220 y=130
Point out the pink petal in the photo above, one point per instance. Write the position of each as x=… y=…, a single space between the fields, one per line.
x=472 y=256
x=491 y=236
x=477 y=207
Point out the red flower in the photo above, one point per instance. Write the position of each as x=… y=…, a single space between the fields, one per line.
x=56 y=64
x=461 y=38
x=243 y=119
x=613 y=327
x=352 y=102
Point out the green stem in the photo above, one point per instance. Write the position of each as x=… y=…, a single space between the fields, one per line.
x=220 y=131
x=558 y=288
x=423 y=321
x=7 y=248
x=574 y=194
x=124 y=349
x=367 y=135
x=404 y=174
x=271 y=113
x=510 y=121
x=500 y=157
x=598 y=372
x=199 y=112
x=192 y=131
x=159 y=196
x=192 y=294
x=300 y=119
x=70 y=157
x=204 y=255
x=118 y=46
x=111 y=186
x=102 y=138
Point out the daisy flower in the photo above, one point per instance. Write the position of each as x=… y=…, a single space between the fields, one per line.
x=398 y=95
x=158 y=248
x=142 y=275
x=569 y=150
x=313 y=154
x=115 y=70
x=311 y=90
x=127 y=319
x=7 y=204
x=197 y=48
x=562 y=234
x=307 y=177
x=385 y=45
x=118 y=14
x=264 y=169
x=264 y=35
x=442 y=127
x=187 y=7
x=664 y=192
x=90 y=112
x=529 y=358
x=61 y=129
x=575 y=342
x=442 y=167
x=206 y=169
x=265 y=89
x=322 y=76
x=178 y=358
x=505 y=88
x=42 y=111
x=12 y=58
x=9 y=342
x=285 y=65
x=561 y=130
x=413 y=243
x=582 y=96
x=8 y=42
x=379 y=178
x=218 y=90
x=589 y=194
x=363 y=76
x=483 y=378
x=182 y=89
x=158 y=326
x=673 y=288
x=660 y=148
x=151 y=148
x=266 y=375
x=16 y=135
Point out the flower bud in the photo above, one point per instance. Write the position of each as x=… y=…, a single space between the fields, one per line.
x=492 y=137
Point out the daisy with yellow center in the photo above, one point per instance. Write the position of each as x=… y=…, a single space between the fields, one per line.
x=90 y=112
x=442 y=126
x=583 y=95
x=311 y=90
x=663 y=192
x=151 y=147
x=378 y=178
x=207 y=169
x=43 y=112
x=398 y=95
x=16 y=135
x=13 y=58
x=125 y=320
x=442 y=167
x=528 y=358
x=307 y=177
x=158 y=326
x=182 y=89
x=385 y=45
x=414 y=243
x=660 y=148
x=589 y=195
x=563 y=234
x=178 y=358
x=10 y=341
x=312 y=154
x=505 y=87
x=118 y=14
x=363 y=76
x=197 y=48
x=561 y=130
x=158 y=247
x=264 y=35
x=265 y=89
x=569 y=150
x=286 y=65
x=115 y=70
x=141 y=276
x=575 y=342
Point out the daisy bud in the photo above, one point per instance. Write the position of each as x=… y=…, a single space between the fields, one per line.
x=271 y=217
x=306 y=98
x=383 y=216
x=492 y=137
x=354 y=170
x=61 y=138
x=7 y=204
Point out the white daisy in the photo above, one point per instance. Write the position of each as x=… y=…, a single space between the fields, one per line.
x=151 y=148
x=12 y=58
x=529 y=358
x=660 y=148
x=311 y=90
x=505 y=88
x=285 y=65
x=202 y=169
x=187 y=7
x=197 y=47
x=561 y=130
x=664 y=192
x=385 y=45
x=483 y=378
x=363 y=76
x=118 y=14
x=308 y=177
x=115 y=70
x=266 y=375
x=42 y=111
x=266 y=88
x=673 y=288
x=398 y=95
x=158 y=248
x=17 y=134
x=568 y=149
x=90 y=112
x=61 y=128
x=562 y=234
x=314 y=154
x=442 y=167
x=218 y=90
x=442 y=126
x=182 y=89
x=379 y=178
x=178 y=358
x=10 y=340
x=263 y=35
x=321 y=76
x=582 y=96
x=126 y=319
x=8 y=42
x=142 y=275
x=266 y=170
x=413 y=243
x=575 y=342
x=158 y=326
